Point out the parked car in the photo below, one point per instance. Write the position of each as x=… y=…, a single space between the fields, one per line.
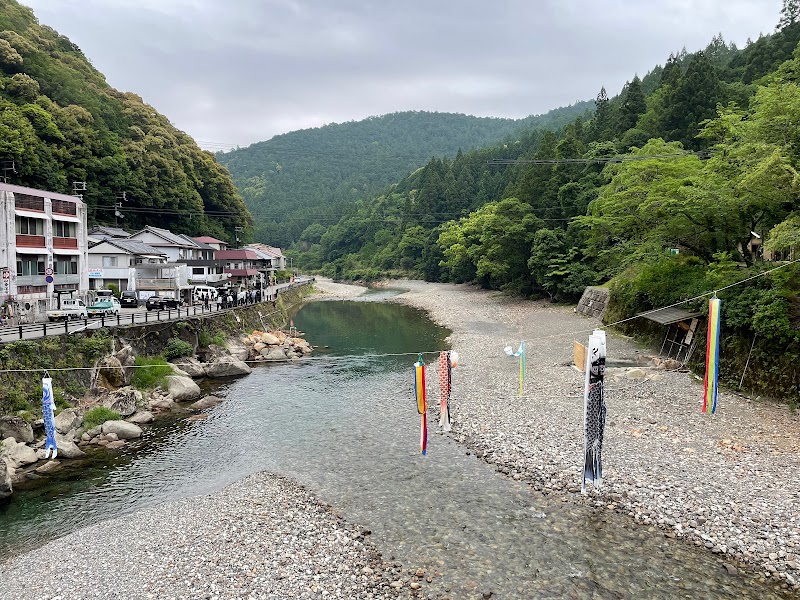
x=106 y=306
x=161 y=303
x=129 y=299
x=71 y=308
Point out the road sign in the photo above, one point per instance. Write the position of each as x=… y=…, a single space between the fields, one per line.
x=6 y=274
x=48 y=271
x=49 y=279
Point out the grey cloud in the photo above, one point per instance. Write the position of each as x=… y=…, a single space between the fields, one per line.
x=242 y=71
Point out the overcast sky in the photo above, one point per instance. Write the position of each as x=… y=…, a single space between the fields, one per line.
x=234 y=72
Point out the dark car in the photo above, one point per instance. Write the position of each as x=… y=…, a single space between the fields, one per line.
x=129 y=299
x=161 y=303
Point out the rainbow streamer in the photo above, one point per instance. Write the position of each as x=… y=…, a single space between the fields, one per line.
x=422 y=405
x=712 y=357
x=521 y=354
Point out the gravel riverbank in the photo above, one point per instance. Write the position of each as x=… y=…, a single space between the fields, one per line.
x=727 y=482
x=262 y=537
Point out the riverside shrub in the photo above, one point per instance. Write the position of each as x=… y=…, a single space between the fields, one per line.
x=99 y=415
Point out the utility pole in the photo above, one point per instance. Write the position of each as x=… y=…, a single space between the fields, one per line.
x=237 y=231
x=78 y=186
x=121 y=197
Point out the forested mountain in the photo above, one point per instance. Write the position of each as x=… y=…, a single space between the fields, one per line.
x=60 y=122
x=722 y=128
x=312 y=176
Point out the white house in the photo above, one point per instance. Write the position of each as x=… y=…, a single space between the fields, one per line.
x=176 y=247
x=46 y=255
x=126 y=263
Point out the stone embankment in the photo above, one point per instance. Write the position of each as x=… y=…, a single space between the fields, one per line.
x=724 y=482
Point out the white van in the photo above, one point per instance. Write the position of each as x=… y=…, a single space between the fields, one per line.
x=200 y=291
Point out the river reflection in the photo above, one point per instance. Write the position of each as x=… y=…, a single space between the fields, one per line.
x=345 y=424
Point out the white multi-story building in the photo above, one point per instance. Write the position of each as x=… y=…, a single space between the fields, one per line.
x=43 y=248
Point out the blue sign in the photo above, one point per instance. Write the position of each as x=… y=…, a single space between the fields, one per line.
x=49 y=279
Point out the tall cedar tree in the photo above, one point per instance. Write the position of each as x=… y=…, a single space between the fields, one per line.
x=602 y=126
x=790 y=13
x=633 y=105
x=693 y=100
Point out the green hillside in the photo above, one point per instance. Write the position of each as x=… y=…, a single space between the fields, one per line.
x=60 y=122
x=656 y=231
x=309 y=176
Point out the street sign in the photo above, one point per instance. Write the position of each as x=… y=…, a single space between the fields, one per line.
x=49 y=279
x=48 y=271
x=6 y=274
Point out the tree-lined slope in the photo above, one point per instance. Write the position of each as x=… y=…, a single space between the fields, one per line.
x=61 y=122
x=312 y=176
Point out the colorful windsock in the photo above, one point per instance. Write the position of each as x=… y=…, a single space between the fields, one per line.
x=712 y=357
x=422 y=405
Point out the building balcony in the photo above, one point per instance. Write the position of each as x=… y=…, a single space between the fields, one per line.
x=156 y=284
x=64 y=207
x=30 y=280
x=60 y=243
x=30 y=241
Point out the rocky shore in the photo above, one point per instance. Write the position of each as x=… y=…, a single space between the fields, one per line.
x=262 y=537
x=725 y=482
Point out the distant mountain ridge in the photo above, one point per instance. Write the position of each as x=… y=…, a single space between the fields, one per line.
x=309 y=176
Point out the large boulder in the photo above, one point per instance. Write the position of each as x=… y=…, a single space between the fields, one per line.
x=67 y=448
x=110 y=370
x=274 y=353
x=123 y=401
x=17 y=428
x=140 y=417
x=206 y=402
x=182 y=388
x=18 y=454
x=269 y=339
x=5 y=479
x=67 y=420
x=238 y=351
x=123 y=429
x=227 y=366
x=191 y=366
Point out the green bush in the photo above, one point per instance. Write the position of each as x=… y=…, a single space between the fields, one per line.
x=218 y=339
x=204 y=339
x=99 y=415
x=176 y=348
x=149 y=372
x=114 y=289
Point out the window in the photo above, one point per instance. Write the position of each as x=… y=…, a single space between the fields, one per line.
x=64 y=229
x=65 y=265
x=29 y=226
x=30 y=265
x=109 y=261
x=198 y=270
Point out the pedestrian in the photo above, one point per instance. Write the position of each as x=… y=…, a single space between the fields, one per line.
x=206 y=301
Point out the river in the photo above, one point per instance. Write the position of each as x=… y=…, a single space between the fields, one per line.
x=344 y=423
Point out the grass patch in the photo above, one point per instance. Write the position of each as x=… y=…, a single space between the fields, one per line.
x=149 y=372
x=219 y=339
x=99 y=415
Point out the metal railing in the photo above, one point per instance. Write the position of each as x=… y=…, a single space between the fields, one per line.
x=31 y=331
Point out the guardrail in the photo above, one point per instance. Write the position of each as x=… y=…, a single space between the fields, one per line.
x=32 y=331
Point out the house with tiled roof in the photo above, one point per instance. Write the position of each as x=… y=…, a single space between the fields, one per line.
x=130 y=265
x=175 y=246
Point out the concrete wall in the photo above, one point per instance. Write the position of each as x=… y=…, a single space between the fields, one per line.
x=594 y=302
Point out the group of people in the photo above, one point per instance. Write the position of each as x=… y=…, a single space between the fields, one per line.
x=229 y=299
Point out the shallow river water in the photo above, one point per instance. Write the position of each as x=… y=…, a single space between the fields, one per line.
x=344 y=423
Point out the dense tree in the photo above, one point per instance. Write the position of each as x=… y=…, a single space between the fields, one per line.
x=633 y=105
x=790 y=13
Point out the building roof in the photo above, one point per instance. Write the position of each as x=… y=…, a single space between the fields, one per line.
x=242 y=272
x=240 y=254
x=107 y=232
x=172 y=239
x=207 y=239
x=262 y=253
x=200 y=245
x=133 y=247
x=18 y=189
x=669 y=315
x=271 y=250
